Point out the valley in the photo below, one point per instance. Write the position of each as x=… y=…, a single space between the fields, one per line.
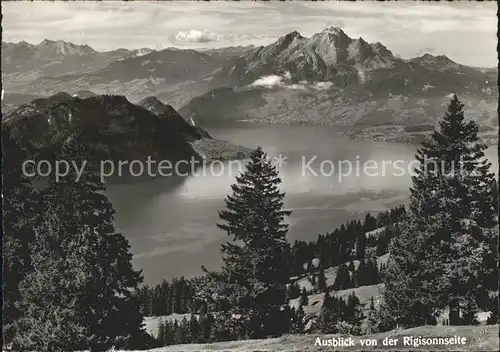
x=267 y=183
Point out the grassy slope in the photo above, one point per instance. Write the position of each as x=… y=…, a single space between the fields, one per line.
x=479 y=338
x=364 y=293
x=152 y=324
x=331 y=273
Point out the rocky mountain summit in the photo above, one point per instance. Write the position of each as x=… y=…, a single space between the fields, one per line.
x=321 y=57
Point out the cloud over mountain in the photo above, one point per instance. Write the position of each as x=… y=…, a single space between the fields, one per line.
x=285 y=81
x=197 y=36
x=194 y=36
x=272 y=81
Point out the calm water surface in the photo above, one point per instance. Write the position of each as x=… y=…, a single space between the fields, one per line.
x=170 y=223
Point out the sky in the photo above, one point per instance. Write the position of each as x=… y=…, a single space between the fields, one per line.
x=464 y=31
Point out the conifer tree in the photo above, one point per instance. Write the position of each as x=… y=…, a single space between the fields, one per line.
x=206 y=323
x=293 y=291
x=298 y=321
x=82 y=284
x=361 y=275
x=49 y=300
x=493 y=317
x=371 y=324
x=353 y=314
x=383 y=219
x=19 y=203
x=382 y=242
x=343 y=279
x=469 y=316
x=438 y=259
x=382 y=270
x=321 y=281
x=304 y=297
x=181 y=332
x=370 y=223
x=360 y=245
x=194 y=329
x=169 y=333
x=372 y=276
x=161 y=338
x=255 y=261
x=328 y=316
x=351 y=267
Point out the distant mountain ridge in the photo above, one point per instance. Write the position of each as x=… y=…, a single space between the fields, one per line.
x=328 y=78
x=53 y=58
x=137 y=74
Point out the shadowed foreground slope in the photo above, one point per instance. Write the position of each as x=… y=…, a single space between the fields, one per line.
x=479 y=338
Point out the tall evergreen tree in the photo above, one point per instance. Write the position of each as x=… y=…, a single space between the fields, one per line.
x=83 y=283
x=255 y=261
x=438 y=259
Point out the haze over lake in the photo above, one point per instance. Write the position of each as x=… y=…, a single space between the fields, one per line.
x=170 y=223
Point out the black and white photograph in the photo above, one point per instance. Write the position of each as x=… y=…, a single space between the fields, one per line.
x=250 y=176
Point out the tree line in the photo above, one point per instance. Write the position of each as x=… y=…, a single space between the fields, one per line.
x=178 y=296
x=348 y=242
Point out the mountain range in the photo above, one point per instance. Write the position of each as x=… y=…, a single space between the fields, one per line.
x=328 y=78
x=24 y=62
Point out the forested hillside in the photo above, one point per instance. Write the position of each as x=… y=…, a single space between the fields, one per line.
x=431 y=263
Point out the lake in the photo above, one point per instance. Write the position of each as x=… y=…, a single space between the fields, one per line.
x=170 y=222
